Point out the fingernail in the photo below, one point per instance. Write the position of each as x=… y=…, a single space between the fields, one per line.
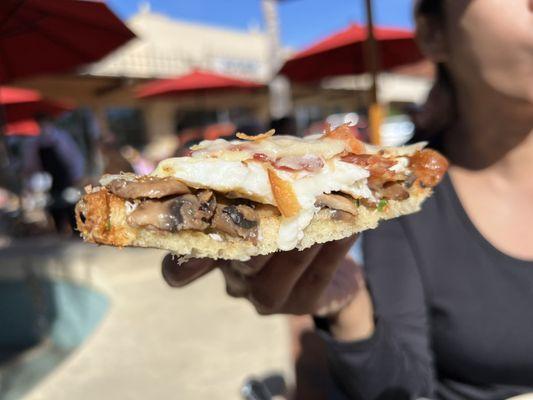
x=180 y=275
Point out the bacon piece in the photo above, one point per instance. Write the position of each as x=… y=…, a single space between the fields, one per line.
x=284 y=194
x=307 y=162
x=377 y=165
x=380 y=173
x=343 y=132
x=429 y=166
x=261 y=136
x=261 y=157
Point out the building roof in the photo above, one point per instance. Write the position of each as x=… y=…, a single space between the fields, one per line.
x=167 y=47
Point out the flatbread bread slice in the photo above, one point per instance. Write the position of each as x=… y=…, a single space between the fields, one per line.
x=242 y=198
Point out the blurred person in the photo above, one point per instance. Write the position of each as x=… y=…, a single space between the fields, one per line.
x=55 y=152
x=112 y=159
x=188 y=137
x=284 y=125
x=315 y=128
x=437 y=114
x=435 y=304
x=140 y=164
x=161 y=147
x=250 y=126
x=10 y=175
x=218 y=130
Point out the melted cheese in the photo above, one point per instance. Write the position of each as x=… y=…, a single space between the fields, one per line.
x=401 y=165
x=335 y=176
x=249 y=180
x=275 y=147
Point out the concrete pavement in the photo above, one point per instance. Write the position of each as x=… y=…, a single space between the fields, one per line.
x=161 y=343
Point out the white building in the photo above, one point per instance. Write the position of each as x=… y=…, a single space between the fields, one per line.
x=166 y=47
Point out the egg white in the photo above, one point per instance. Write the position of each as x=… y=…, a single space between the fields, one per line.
x=250 y=180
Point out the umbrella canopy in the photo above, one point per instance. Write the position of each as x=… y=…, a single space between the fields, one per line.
x=45 y=36
x=196 y=82
x=20 y=104
x=343 y=53
x=24 y=127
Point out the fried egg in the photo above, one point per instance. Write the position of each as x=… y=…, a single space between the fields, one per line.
x=250 y=180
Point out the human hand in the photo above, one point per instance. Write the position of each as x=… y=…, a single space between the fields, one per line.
x=320 y=280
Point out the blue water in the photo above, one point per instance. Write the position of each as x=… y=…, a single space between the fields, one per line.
x=41 y=323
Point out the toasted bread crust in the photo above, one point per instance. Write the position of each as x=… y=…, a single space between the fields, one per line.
x=101 y=218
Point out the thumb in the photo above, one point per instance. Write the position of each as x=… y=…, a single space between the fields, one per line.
x=177 y=275
x=345 y=285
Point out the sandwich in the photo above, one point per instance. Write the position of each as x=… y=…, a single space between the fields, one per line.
x=234 y=199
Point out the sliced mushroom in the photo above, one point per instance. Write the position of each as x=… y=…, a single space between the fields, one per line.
x=409 y=181
x=184 y=212
x=147 y=187
x=394 y=191
x=237 y=220
x=208 y=203
x=336 y=202
x=339 y=215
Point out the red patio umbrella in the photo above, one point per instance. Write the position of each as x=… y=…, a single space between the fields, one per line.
x=343 y=53
x=24 y=127
x=45 y=36
x=20 y=104
x=195 y=82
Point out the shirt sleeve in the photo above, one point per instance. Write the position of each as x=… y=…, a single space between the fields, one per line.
x=396 y=361
x=70 y=154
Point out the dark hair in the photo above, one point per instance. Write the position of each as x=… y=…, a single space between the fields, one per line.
x=440 y=110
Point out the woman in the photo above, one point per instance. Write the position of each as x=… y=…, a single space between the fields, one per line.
x=443 y=310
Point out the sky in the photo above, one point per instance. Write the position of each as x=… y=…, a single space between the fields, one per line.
x=302 y=21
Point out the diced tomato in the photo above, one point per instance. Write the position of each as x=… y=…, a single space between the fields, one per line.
x=429 y=166
x=344 y=132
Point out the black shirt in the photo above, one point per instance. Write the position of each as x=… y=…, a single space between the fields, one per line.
x=454 y=315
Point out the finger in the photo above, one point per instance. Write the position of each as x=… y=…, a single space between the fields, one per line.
x=346 y=283
x=310 y=286
x=236 y=273
x=252 y=266
x=236 y=283
x=270 y=288
x=177 y=275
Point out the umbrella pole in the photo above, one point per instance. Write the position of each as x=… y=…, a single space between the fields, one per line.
x=375 y=111
x=8 y=178
x=4 y=154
